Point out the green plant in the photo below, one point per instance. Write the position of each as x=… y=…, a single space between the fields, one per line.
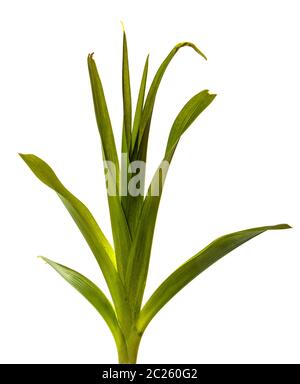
x=133 y=217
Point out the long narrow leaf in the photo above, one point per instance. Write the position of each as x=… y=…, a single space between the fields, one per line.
x=80 y=213
x=126 y=95
x=126 y=134
x=120 y=229
x=142 y=243
x=194 y=266
x=140 y=102
x=92 y=293
x=187 y=116
x=88 y=226
x=121 y=234
x=150 y=100
x=102 y=116
x=141 y=131
x=132 y=204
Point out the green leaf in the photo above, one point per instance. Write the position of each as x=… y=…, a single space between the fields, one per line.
x=187 y=116
x=142 y=128
x=120 y=230
x=132 y=204
x=140 y=103
x=142 y=243
x=121 y=234
x=102 y=116
x=126 y=99
x=88 y=226
x=150 y=100
x=126 y=136
x=80 y=213
x=92 y=293
x=194 y=266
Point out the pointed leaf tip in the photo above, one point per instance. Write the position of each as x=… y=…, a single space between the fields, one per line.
x=123 y=27
x=43 y=258
x=92 y=293
x=194 y=266
x=22 y=155
x=282 y=226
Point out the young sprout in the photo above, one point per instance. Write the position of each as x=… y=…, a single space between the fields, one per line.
x=133 y=211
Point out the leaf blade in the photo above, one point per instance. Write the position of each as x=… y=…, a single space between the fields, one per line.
x=140 y=103
x=151 y=96
x=194 y=266
x=142 y=128
x=188 y=114
x=126 y=90
x=102 y=116
x=132 y=204
x=85 y=219
x=89 y=228
x=119 y=225
x=92 y=294
x=139 y=258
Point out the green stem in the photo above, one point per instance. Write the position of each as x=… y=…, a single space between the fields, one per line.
x=128 y=351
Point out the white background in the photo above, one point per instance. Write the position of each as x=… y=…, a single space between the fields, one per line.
x=237 y=167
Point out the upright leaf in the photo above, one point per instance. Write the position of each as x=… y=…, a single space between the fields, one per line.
x=142 y=243
x=140 y=103
x=194 y=266
x=132 y=204
x=126 y=134
x=120 y=230
x=102 y=116
x=93 y=294
x=126 y=99
x=187 y=116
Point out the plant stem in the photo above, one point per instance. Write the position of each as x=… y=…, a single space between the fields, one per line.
x=128 y=353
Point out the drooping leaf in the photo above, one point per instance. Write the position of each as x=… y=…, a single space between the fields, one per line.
x=119 y=225
x=88 y=226
x=145 y=121
x=92 y=293
x=142 y=242
x=80 y=213
x=142 y=129
x=194 y=266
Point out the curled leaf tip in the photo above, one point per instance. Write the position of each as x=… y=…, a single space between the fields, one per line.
x=191 y=45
